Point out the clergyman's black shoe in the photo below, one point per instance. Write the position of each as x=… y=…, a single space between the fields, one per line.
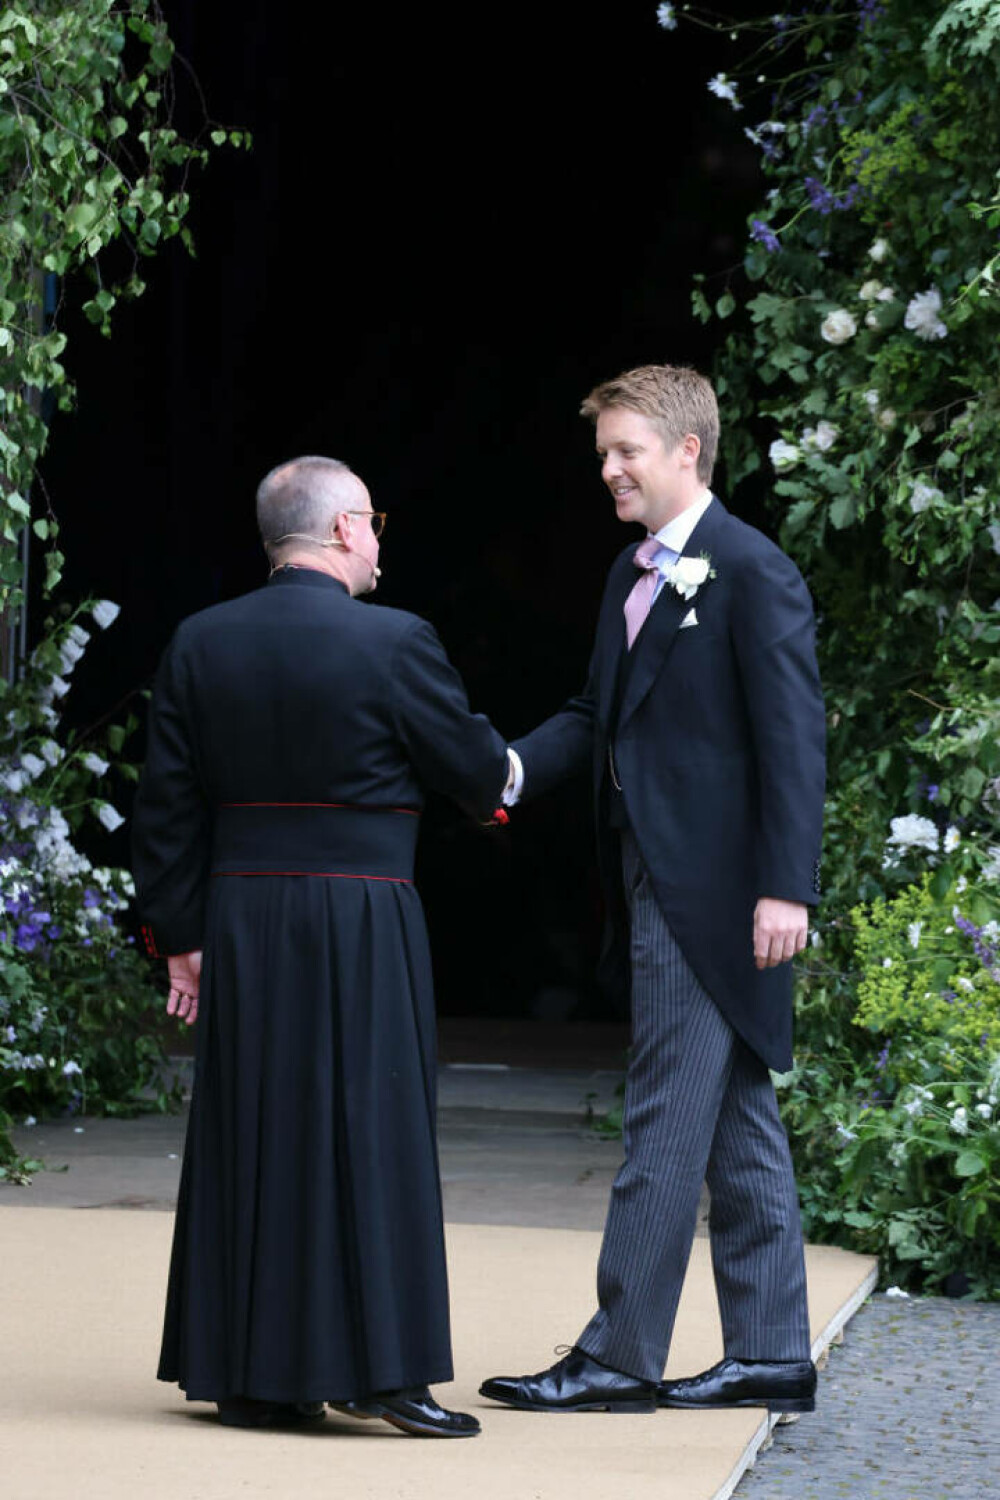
x=242 y=1411
x=576 y=1383
x=778 y=1385
x=413 y=1411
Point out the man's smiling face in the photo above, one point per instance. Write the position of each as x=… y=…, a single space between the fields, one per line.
x=645 y=477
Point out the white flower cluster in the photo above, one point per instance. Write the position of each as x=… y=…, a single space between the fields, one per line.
x=885 y=416
x=666 y=18
x=822 y=436
x=784 y=455
x=920 y=1097
x=922 y=496
x=912 y=832
x=724 y=88
x=55 y=855
x=923 y=315
x=873 y=291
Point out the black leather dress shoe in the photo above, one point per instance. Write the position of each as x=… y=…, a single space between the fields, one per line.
x=743 y=1382
x=241 y=1411
x=576 y=1383
x=413 y=1411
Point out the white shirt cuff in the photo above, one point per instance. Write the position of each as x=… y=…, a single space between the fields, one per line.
x=515 y=781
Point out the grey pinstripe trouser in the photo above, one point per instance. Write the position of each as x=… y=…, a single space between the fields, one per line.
x=699 y=1106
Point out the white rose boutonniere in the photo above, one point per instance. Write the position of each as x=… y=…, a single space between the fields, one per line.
x=688 y=574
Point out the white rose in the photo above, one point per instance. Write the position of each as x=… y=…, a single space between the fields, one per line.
x=886 y=295
x=784 y=455
x=923 y=495
x=869 y=290
x=913 y=832
x=871 y=400
x=822 y=436
x=879 y=250
x=886 y=419
x=688 y=574
x=923 y=315
x=838 y=326
x=871 y=320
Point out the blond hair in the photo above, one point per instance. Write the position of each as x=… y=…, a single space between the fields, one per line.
x=675 y=397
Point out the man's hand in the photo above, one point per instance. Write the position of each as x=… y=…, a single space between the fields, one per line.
x=184 y=970
x=779 y=931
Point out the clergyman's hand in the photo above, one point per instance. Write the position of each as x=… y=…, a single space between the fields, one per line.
x=184 y=970
x=779 y=931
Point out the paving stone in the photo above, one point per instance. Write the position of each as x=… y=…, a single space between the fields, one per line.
x=908 y=1409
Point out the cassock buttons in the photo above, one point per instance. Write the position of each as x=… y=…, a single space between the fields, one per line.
x=817 y=886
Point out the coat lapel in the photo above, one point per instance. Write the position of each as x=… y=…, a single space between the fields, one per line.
x=652 y=647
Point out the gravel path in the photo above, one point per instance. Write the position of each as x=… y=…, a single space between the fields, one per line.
x=908 y=1409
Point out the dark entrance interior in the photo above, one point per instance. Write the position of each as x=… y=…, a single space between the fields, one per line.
x=453 y=222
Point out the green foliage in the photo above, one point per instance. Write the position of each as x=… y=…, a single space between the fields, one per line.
x=95 y=180
x=867 y=343
x=859 y=352
x=910 y=1174
x=79 y=1010
x=920 y=972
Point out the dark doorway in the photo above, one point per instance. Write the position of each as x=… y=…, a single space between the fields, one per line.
x=453 y=222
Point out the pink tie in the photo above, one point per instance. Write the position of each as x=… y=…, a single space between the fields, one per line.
x=639 y=601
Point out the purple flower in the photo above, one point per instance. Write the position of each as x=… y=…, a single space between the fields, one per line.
x=933 y=792
x=91 y=898
x=820 y=197
x=27 y=936
x=817 y=116
x=869 y=11
x=764 y=234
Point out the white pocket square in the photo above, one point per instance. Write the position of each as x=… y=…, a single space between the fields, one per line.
x=690 y=618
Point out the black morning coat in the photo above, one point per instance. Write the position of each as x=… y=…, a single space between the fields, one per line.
x=719 y=748
x=292 y=734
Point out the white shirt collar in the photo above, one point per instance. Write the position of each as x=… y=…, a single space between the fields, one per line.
x=677 y=533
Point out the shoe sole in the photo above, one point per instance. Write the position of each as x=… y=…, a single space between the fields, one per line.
x=630 y=1407
x=412 y=1429
x=771 y=1404
x=257 y=1424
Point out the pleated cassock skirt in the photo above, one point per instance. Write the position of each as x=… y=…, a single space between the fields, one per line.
x=308 y=1260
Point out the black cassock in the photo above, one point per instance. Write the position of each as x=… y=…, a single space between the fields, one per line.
x=292 y=732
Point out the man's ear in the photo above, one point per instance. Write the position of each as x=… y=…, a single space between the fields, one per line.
x=343 y=529
x=690 y=449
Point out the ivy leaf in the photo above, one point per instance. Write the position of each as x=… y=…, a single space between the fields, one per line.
x=970 y=1164
x=725 y=305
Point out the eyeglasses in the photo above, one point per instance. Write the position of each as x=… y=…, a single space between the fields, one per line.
x=377 y=518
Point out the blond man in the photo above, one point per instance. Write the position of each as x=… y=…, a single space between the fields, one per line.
x=702 y=719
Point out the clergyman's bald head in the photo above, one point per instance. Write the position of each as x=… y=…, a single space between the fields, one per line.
x=301 y=497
